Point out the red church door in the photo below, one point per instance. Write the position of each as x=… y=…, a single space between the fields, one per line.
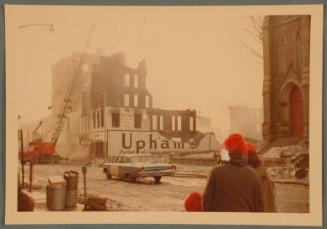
x=296 y=111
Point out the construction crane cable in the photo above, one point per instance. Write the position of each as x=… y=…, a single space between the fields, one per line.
x=49 y=128
x=67 y=101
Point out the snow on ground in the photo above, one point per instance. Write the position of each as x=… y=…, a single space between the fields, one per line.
x=167 y=196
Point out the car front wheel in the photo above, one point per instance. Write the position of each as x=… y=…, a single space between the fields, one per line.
x=131 y=178
x=157 y=179
x=108 y=175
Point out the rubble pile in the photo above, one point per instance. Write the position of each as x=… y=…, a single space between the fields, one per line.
x=96 y=162
x=289 y=162
x=110 y=204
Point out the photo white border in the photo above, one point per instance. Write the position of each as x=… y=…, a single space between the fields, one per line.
x=314 y=218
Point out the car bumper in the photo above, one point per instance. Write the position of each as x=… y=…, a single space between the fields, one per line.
x=153 y=174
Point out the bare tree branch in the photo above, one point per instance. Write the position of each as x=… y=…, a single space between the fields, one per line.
x=252 y=50
x=256 y=34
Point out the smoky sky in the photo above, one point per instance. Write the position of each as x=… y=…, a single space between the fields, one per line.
x=194 y=55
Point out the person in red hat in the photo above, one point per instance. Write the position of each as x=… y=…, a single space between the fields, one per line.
x=193 y=202
x=236 y=186
x=266 y=184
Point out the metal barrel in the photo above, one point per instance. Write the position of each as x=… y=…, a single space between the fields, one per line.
x=71 y=178
x=56 y=196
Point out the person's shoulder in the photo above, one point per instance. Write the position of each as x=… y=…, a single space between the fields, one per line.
x=252 y=171
x=219 y=168
x=261 y=171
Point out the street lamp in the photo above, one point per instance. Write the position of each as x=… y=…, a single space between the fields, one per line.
x=50 y=26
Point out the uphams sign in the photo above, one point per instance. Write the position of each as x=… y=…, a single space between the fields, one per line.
x=144 y=142
x=152 y=143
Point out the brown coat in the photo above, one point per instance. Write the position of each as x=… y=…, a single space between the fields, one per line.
x=235 y=187
x=267 y=189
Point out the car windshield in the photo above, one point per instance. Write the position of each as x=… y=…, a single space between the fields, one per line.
x=144 y=158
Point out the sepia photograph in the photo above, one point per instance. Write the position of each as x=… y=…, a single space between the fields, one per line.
x=141 y=111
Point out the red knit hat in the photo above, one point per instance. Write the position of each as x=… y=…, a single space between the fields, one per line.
x=251 y=148
x=236 y=143
x=192 y=202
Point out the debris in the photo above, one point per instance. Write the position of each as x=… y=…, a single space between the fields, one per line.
x=96 y=204
x=287 y=162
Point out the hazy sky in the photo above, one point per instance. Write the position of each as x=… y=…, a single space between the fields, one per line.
x=193 y=54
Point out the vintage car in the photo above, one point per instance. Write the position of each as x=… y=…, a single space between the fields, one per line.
x=134 y=166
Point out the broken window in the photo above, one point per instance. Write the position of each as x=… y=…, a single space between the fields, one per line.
x=136 y=100
x=126 y=80
x=147 y=101
x=94 y=120
x=191 y=124
x=154 y=122
x=179 y=123
x=137 y=120
x=126 y=100
x=115 y=119
x=161 y=124
x=173 y=122
x=136 y=81
x=102 y=118
x=98 y=119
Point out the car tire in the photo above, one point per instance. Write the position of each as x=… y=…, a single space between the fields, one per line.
x=157 y=179
x=108 y=175
x=131 y=178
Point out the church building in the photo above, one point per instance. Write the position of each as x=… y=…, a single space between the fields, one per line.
x=286 y=51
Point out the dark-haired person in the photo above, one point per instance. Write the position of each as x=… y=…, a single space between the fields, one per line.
x=266 y=184
x=234 y=186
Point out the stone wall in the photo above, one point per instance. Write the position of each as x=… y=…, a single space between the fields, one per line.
x=286 y=49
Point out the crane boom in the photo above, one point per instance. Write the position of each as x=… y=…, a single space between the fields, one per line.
x=36 y=135
x=67 y=101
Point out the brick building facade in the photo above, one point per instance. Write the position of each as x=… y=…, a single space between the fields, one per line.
x=109 y=104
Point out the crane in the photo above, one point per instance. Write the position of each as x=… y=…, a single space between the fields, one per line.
x=67 y=101
x=46 y=150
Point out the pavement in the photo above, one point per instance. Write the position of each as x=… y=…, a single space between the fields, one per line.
x=40 y=202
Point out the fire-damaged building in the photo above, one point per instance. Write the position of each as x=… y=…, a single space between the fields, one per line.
x=112 y=112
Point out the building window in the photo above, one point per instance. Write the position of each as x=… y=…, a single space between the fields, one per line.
x=191 y=124
x=137 y=120
x=115 y=117
x=161 y=122
x=147 y=101
x=126 y=80
x=136 y=81
x=87 y=123
x=173 y=123
x=126 y=100
x=94 y=120
x=102 y=118
x=154 y=122
x=98 y=119
x=136 y=100
x=179 y=123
